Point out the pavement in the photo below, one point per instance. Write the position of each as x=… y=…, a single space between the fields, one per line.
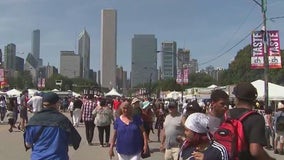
x=12 y=147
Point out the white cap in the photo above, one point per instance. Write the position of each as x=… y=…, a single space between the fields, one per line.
x=197 y=122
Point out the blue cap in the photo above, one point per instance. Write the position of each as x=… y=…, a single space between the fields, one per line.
x=50 y=98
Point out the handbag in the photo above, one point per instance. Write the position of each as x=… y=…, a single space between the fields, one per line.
x=147 y=154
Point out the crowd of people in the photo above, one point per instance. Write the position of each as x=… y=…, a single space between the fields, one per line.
x=185 y=131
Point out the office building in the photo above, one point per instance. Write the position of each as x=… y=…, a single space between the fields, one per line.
x=108 y=48
x=168 y=60
x=84 y=52
x=70 y=64
x=10 y=57
x=36 y=46
x=144 y=60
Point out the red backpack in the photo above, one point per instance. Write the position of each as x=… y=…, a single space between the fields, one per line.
x=231 y=135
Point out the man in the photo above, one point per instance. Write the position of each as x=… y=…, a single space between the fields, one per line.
x=35 y=102
x=173 y=128
x=254 y=126
x=279 y=129
x=86 y=114
x=219 y=102
x=49 y=132
x=23 y=110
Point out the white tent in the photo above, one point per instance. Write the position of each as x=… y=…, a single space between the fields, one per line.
x=113 y=92
x=212 y=86
x=173 y=95
x=13 y=92
x=32 y=92
x=275 y=92
x=75 y=94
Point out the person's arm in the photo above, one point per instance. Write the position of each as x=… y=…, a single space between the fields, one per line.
x=145 y=139
x=112 y=143
x=258 y=152
x=163 y=139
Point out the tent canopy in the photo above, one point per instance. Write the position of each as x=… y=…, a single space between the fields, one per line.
x=13 y=92
x=275 y=92
x=113 y=92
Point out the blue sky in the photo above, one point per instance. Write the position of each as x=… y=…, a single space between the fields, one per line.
x=208 y=28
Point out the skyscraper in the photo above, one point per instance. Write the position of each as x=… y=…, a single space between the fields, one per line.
x=70 y=64
x=144 y=59
x=10 y=57
x=36 y=46
x=84 y=52
x=168 y=65
x=108 y=48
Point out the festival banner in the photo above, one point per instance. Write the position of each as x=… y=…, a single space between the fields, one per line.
x=2 y=76
x=179 y=77
x=257 y=55
x=185 y=75
x=274 y=53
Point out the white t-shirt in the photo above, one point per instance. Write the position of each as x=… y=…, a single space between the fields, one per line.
x=36 y=103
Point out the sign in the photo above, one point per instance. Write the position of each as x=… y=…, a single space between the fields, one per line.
x=58 y=82
x=185 y=75
x=179 y=77
x=273 y=50
x=257 y=56
x=2 y=75
x=274 y=53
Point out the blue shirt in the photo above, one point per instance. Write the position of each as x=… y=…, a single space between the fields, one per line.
x=51 y=145
x=129 y=138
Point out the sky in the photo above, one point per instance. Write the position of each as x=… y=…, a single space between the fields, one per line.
x=213 y=30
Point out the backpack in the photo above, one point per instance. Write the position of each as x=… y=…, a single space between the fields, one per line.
x=280 y=124
x=231 y=135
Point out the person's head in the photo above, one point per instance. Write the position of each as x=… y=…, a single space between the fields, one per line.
x=172 y=107
x=219 y=102
x=25 y=92
x=50 y=99
x=103 y=102
x=196 y=128
x=135 y=102
x=245 y=92
x=125 y=108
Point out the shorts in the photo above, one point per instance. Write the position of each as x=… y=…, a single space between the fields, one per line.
x=279 y=137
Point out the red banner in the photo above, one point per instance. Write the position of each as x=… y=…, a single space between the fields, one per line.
x=273 y=50
x=185 y=75
x=179 y=77
x=257 y=56
x=274 y=53
x=2 y=76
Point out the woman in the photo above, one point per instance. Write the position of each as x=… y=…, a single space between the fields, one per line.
x=160 y=114
x=198 y=144
x=103 y=117
x=127 y=130
x=147 y=117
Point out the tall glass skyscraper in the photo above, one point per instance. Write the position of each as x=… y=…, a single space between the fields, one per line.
x=36 y=43
x=84 y=52
x=144 y=59
x=108 y=47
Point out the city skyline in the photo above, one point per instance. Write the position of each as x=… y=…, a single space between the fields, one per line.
x=207 y=28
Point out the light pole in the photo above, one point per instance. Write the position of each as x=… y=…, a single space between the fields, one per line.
x=263 y=6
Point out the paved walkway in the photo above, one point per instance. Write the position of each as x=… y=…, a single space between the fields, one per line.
x=12 y=147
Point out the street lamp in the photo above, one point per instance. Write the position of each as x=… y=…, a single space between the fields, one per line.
x=263 y=6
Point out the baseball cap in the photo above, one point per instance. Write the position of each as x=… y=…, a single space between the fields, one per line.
x=245 y=91
x=50 y=98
